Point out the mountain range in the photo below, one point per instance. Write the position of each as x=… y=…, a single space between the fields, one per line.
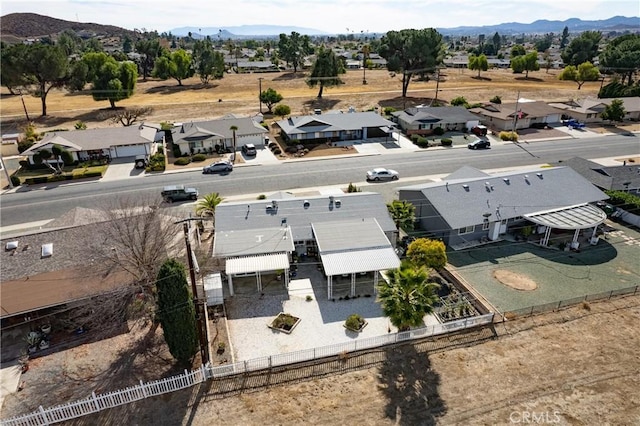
x=31 y=25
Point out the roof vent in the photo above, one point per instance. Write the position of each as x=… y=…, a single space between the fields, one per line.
x=306 y=204
x=540 y=175
x=466 y=187
x=338 y=203
x=507 y=181
x=330 y=198
x=47 y=250
x=11 y=245
x=274 y=204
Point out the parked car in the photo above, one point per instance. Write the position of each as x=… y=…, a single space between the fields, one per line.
x=382 y=174
x=479 y=130
x=217 y=167
x=178 y=193
x=479 y=144
x=249 y=149
x=141 y=161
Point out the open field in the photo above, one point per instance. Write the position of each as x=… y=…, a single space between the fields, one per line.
x=238 y=94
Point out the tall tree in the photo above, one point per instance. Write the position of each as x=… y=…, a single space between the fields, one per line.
x=208 y=63
x=325 y=70
x=234 y=130
x=176 y=65
x=47 y=67
x=622 y=56
x=582 y=48
x=526 y=63
x=110 y=80
x=412 y=52
x=69 y=42
x=403 y=214
x=294 y=48
x=479 y=63
x=428 y=253
x=408 y=296
x=518 y=50
x=565 y=37
x=584 y=72
x=614 y=111
x=270 y=97
x=149 y=49
x=176 y=312
x=497 y=42
x=11 y=71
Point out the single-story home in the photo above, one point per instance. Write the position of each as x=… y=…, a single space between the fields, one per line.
x=217 y=135
x=334 y=127
x=471 y=206
x=519 y=115
x=423 y=120
x=109 y=143
x=588 y=110
x=625 y=177
x=348 y=234
x=245 y=66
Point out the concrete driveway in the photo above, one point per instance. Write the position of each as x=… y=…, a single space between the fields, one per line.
x=122 y=168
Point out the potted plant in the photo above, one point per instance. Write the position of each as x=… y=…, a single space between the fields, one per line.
x=221 y=347
x=33 y=340
x=355 y=323
x=45 y=328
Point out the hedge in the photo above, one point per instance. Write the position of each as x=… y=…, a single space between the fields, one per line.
x=182 y=161
x=198 y=158
x=446 y=142
x=58 y=178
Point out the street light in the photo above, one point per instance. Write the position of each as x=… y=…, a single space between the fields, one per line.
x=260 y=93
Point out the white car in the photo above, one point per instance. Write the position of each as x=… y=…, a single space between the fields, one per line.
x=382 y=174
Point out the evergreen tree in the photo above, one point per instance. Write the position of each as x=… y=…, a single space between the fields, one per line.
x=325 y=70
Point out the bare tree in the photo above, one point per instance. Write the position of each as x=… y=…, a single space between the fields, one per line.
x=127 y=116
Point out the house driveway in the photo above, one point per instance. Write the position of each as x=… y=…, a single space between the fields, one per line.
x=122 y=168
x=249 y=313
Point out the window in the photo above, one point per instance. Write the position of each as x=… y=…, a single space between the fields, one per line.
x=467 y=230
x=485 y=226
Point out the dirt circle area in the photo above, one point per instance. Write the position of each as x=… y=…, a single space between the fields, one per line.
x=515 y=280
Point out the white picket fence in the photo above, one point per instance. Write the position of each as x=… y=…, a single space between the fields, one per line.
x=95 y=403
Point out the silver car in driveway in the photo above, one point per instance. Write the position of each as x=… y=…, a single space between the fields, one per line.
x=379 y=173
x=218 y=167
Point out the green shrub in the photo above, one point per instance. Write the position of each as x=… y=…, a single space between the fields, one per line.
x=415 y=137
x=277 y=151
x=438 y=131
x=354 y=322
x=352 y=188
x=198 y=158
x=262 y=197
x=624 y=200
x=508 y=136
x=496 y=100
x=446 y=142
x=25 y=144
x=422 y=142
x=389 y=110
x=182 y=161
x=80 y=125
x=160 y=149
x=15 y=180
x=176 y=150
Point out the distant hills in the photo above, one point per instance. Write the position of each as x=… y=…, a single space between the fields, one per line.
x=31 y=25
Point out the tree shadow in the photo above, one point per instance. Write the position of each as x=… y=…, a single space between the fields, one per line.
x=481 y=78
x=169 y=89
x=53 y=120
x=401 y=103
x=530 y=79
x=321 y=103
x=290 y=76
x=411 y=387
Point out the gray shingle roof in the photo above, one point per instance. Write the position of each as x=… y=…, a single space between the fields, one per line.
x=507 y=195
x=507 y=110
x=91 y=139
x=333 y=122
x=620 y=178
x=454 y=114
x=293 y=213
x=222 y=127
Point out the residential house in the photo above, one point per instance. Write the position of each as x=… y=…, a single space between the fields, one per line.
x=217 y=135
x=471 y=207
x=245 y=66
x=423 y=120
x=109 y=143
x=625 y=177
x=588 y=110
x=516 y=115
x=348 y=234
x=335 y=127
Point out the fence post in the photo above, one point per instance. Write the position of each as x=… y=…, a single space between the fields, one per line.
x=144 y=389
x=636 y=290
x=610 y=294
x=95 y=401
x=559 y=302
x=531 y=313
x=44 y=415
x=203 y=369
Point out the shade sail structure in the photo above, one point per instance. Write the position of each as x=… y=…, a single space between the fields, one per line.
x=258 y=263
x=574 y=217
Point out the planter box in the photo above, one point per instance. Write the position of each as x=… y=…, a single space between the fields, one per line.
x=285 y=328
x=364 y=324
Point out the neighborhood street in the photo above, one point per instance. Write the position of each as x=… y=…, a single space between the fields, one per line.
x=43 y=202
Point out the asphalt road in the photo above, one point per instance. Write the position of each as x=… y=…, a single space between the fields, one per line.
x=50 y=201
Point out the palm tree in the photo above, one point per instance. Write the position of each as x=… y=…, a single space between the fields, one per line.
x=402 y=213
x=408 y=296
x=206 y=207
x=234 y=129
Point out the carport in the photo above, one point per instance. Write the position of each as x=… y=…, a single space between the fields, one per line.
x=353 y=247
x=258 y=264
x=575 y=218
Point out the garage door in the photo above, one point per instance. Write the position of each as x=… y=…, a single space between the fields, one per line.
x=130 y=150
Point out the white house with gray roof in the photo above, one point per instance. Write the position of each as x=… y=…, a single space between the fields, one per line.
x=110 y=142
x=215 y=135
x=335 y=127
x=472 y=206
x=424 y=120
x=349 y=234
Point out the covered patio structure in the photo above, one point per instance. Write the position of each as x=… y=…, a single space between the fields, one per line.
x=574 y=218
x=255 y=252
x=351 y=247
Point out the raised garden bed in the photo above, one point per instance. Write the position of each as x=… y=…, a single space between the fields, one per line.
x=355 y=323
x=284 y=322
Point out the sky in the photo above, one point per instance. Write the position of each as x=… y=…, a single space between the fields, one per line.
x=331 y=16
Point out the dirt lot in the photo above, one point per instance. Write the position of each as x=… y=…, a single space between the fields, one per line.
x=238 y=93
x=579 y=366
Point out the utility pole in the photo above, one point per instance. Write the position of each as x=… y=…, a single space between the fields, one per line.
x=6 y=172
x=260 y=92
x=515 y=115
x=437 y=86
x=202 y=334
